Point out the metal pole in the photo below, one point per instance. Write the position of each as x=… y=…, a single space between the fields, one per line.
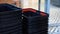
x=47 y=6
x=38 y=4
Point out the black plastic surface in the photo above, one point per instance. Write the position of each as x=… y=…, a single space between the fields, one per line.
x=10 y=19
x=35 y=23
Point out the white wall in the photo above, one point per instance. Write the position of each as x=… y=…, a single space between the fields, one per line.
x=30 y=4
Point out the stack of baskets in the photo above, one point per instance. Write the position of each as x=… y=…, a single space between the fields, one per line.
x=35 y=22
x=10 y=19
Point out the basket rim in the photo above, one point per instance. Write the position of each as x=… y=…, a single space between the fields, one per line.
x=5 y=12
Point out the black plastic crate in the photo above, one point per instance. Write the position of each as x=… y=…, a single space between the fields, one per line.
x=10 y=19
x=35 y=23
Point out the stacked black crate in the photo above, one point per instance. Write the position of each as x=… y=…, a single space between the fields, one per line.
x=35 y=23
x=10 y=19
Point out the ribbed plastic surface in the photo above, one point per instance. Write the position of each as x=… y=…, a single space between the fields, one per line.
x=35 y=23
x=10 y=19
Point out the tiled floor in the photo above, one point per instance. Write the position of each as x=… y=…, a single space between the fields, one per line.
x=54 y=14
x=54 y=19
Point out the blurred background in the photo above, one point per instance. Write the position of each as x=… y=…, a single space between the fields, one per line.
x=52 y=7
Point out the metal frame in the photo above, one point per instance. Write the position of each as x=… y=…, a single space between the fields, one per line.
x=47 y=6
x=39 y=4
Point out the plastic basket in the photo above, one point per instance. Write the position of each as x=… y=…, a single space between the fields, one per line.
x=10 y=19
x=35 y=22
